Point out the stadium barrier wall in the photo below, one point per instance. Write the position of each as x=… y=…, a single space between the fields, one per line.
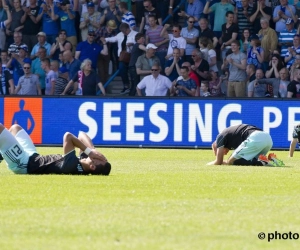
x=148 y=122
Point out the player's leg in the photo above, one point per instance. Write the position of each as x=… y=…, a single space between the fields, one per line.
x=13 y=153
x=23 y=138
x=248 y=152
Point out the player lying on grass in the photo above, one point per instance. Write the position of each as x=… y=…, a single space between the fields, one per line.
x=17 y=149
x=250 y=145
x=296 y=138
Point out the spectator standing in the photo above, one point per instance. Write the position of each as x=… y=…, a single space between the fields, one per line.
x=28 y=84
x=153 y=36
x=17 y=61
x=172 y=67
x=293 y=89
x=127 y=17
x=269 y=40
x=295 y=65
x=191 y=35
x=125 y=39
x=67 y=21
x=230 y=32
x=16 y=15
x=292 y=51
x=214 y=84
x=62 y=81
x=193 y=76
x=207 y=32
x=36 y=67
x=111 y=12
x=31 y=24
x=72 y=64
x=245 y=41
x=149 y=10
x=154 y=84
x=200 y=66
x=89 y=21
x=260 y=10
x=281 y=13
x=176 y=41
x=242 y=17
x=255 y=54
x=61 y=45
x=14 y=47
x=3 y=18
x=138 y=50
x=49 y=26
x=250 y=71
x=185 y=86
x=237 y=77
x=220 y=9
x=87 y=81
x=144 y=62
x=286 y=36
x=279 y=85
x=103 y=60
x=50 y=78
x=206 y=46
x=194 y=8
x=7 y=86
x=254 y=88
x=274 y=67
x=89 y=49
x=42 y=42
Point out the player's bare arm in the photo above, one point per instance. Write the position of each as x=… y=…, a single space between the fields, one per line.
x=70 y=142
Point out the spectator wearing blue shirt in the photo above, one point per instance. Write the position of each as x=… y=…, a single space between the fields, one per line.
x=185 y=86
x=286 y=36
x=127 y=17
x=172 y=67
x=17 y=61
x=72 y=64
x=193 y=8
x=36 y=67
x=49 y=26
x=41 y=43
x=281 y=13
x=89 y=49
x=67 y=20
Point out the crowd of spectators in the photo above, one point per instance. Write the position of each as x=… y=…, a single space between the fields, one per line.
x=233 y=48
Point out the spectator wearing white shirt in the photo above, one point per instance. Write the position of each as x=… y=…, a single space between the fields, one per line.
x=176 y=41
x=154 y=84
x=126 y=39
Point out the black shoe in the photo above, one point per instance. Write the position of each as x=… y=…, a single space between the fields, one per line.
x=125 y=91
x=1 y=158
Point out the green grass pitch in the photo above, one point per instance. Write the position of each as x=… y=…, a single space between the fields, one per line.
x=153 y=199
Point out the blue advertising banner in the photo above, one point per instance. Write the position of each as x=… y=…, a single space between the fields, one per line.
x=150 y=122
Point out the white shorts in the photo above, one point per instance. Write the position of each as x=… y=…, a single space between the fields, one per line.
x=16 y=150
x=258 y=143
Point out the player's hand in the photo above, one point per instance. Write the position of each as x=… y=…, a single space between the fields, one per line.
x=95 y=155
x=210 y=163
